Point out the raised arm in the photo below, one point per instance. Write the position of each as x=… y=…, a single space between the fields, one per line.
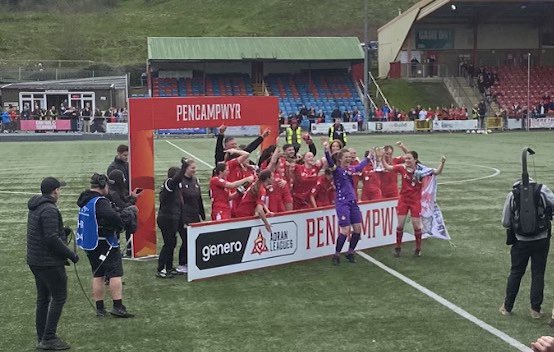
x=328 y=157
x=219 y=152
x=438 y=170
x=402 y=147
x=260 y=212
x=274 y=159
x=242 y=154
x=256 y=142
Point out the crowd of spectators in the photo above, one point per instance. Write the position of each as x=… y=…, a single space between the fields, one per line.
x=84 y=120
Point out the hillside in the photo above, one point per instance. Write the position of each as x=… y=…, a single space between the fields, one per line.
x=115 y=32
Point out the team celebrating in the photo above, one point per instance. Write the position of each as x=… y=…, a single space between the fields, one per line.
x=284 y=179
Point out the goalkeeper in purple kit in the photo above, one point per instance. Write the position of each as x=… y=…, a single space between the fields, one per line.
x=348 y=212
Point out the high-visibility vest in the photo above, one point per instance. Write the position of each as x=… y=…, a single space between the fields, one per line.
x=332 y=133
x=474 y=113
x=293 y=136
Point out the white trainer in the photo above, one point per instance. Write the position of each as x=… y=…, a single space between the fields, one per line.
x=182 y=269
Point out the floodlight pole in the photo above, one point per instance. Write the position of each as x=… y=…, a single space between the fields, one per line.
x=528 y=90
x=366 y=63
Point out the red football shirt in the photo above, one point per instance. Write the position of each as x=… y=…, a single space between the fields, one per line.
x=371 y=183
x=324 y=192
x=411 y=188
x=219 y=194
x=355 y=176
x=389 y=180
x=278 y=196
x=304 y=180
x=249 y=202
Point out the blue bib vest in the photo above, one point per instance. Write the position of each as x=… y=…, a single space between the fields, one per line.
x=87 y=228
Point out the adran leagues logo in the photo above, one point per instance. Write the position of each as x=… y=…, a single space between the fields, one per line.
x=259 y=244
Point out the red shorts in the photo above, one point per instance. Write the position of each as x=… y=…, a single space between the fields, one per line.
x=414 y=206
x=389 y=193
x=221 y=214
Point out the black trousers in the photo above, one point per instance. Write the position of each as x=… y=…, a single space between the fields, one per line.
x=169 y=230
x=520 y=253
x=183 y=250
x=51 y=283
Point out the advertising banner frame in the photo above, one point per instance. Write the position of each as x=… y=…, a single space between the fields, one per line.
x=391 y=126
x=232 y=246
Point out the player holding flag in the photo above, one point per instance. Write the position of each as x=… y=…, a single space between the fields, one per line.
x=410 y=196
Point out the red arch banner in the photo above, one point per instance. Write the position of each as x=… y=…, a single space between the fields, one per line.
x=149 y=114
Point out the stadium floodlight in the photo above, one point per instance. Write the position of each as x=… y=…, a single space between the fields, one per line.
x=453 y=7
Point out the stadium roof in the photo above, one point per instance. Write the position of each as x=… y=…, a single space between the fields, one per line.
x=116 y=82
x=254 y=48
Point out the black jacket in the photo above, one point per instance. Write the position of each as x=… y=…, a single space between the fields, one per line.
x=193 y=207
x=108 y=219
x=171 y=200
x=120 y=197
x=219 y=148
x=120 y=165
x=46 y=239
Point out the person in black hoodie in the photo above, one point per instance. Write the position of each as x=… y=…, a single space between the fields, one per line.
x=121 y=162
x=47 y=254
x=170 y=218
x=121 y=198
x=104 y=255
x=193 y=208
x=223 y=143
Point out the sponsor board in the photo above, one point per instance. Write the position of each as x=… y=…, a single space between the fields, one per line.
x=45 y=125
x=242 y=131
x=117 y=127
x=225 y=247
x=183 y=131
x=323 y=128
x=390 y=126
x=514 y=124
x=545 y=122
x=454 y=125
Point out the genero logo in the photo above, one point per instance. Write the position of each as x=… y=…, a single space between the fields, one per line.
x=221 y=248
x=281 y=241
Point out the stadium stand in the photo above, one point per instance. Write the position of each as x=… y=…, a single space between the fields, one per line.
x=220 y=84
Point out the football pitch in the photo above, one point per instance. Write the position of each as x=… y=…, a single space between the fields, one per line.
x=307 y=306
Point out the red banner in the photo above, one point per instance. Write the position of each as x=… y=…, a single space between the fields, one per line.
x=148 y=114
x=45 y=125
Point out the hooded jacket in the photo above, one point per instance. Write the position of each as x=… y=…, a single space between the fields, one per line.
x=108 y=219
x=123 y=166
x=46 y=239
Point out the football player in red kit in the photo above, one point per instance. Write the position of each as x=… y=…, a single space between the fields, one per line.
x=323 y=194
x=410 y=197
x=219 y=191
x=304 y=179
x=389 y=180
x=371 y=181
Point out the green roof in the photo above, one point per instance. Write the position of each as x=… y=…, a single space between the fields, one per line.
x=254 y=48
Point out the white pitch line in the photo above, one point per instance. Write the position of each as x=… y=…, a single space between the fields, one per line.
x=192 y=155
x=496 y=173
x=491 y=329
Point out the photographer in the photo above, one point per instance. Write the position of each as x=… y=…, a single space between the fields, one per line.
x=533 y=245
x=47 y=254
x=99 y=225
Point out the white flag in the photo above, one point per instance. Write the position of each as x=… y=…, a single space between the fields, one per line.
x=431 y=215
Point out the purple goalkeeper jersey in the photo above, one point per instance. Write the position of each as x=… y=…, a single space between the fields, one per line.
x=344 y=187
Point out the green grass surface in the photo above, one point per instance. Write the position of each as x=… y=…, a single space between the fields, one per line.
x=406 y=95
x=308 y=306
x=118 y=35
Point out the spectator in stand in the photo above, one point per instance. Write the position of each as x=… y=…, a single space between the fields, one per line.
x=14 y=118
x=379 y=116
x=51 y=113
x=337 y=132
x=386 y=110
x=323 y=194
x=412 y=115
x=422 y=114
x=86 y=115
x=311 y=114
x=415 y=64
x=6 y=121
x=346 y=116
x=38 y=113
x=335 y=114
x=320 y=117
x=303 y=112
x=26 y=113
x=482 y=109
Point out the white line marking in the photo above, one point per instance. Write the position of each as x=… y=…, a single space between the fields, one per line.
x=491 y=329
x=496 y=173
x=194 y=156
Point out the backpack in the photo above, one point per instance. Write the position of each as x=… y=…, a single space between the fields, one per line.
x=534 y=220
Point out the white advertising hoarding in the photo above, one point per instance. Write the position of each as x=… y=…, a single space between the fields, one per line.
x=242 y=131
x=225 y=247
x=390 y=126
x=546 y=122
x=323 y=128
x=117 y=128
x=454 y=125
